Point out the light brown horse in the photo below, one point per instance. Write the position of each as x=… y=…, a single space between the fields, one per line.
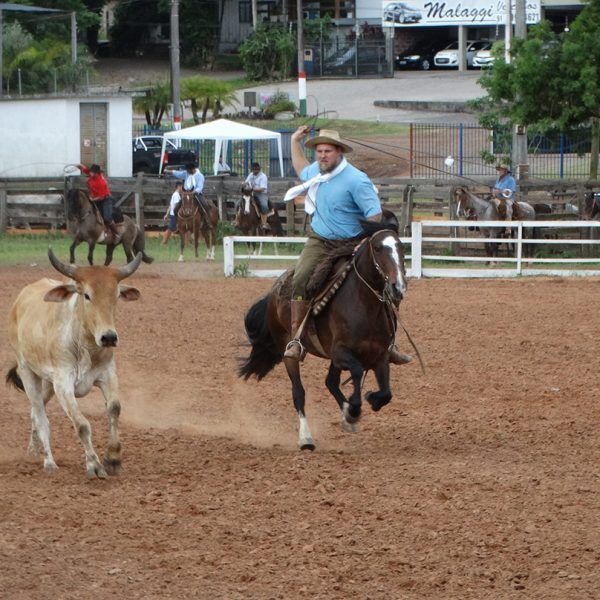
x=90 y=229
x=197 y=216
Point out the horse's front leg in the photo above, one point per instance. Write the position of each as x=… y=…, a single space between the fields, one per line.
x=344 y=360
x=182 y=236
x=90 y=256
x=305 y=439
x=379 y=399
x=196 y=241
x=72 y=247
x=110 y=249
x=332 y=381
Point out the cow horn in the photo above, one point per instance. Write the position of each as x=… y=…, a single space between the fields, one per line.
x=68 y=270
x=130 y=268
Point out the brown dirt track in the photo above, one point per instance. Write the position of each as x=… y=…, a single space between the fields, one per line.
x=479 y=480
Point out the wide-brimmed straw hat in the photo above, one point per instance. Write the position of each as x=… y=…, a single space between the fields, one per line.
x=328 y=136
x=503 y=165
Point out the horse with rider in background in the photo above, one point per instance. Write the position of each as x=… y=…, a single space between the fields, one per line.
x=351 y=321
x=89 y=227
x=247 y=217
x=197 y=216
x=470 y=206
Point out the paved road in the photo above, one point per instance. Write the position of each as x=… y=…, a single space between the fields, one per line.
x=353 y=98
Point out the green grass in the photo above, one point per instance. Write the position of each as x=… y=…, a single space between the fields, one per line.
x=27 y=249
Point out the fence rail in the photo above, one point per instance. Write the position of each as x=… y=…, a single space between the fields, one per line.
x=420 y=262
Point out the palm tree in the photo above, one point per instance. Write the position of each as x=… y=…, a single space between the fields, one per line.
x=154 y=103
x=206 y=94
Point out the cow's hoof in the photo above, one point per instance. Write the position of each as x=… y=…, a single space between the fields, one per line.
x=95 y=470
x=50 y=467
x=113 y=466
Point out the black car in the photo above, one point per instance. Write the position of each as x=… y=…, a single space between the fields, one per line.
x=419 y=56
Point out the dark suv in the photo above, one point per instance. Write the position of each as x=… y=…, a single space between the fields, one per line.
x=370 y=60
x=419 y=55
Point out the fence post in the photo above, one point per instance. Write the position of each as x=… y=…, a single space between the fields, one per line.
x=228 y=256
x=416 y=244
x=3 y=211
x=139 y=200
x=561 y=169
x=460 y=149
x=220 y=190
x=290 y=215
x=520 y=248
x=454 y=232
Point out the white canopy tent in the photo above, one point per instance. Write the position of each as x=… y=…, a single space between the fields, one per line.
x=222 y=132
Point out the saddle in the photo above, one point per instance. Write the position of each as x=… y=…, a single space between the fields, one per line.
x=502 y=209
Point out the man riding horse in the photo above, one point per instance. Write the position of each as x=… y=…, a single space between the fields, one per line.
x=503 y=193
x=193 y=181
x=102 y=199
x=338 y=197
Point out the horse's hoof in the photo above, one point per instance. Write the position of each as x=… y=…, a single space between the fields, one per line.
x=377 y=402
x=180 y=259
x=348 y=427
x=307 y=445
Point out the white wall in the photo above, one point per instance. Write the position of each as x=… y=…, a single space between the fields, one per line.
x=38 y=137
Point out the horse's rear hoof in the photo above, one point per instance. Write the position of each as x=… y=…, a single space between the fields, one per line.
x=377 y=402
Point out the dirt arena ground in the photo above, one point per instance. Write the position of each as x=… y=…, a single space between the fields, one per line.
x=480 y=480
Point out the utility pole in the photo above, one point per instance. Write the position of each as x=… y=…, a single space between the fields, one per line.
x=175 y=64
x=520 y=154
x=507 y=31
x=74 y=37
x=254 y=14
x=1 y=57
x=301 y=73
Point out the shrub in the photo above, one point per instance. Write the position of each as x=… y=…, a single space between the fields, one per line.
x=268 y=53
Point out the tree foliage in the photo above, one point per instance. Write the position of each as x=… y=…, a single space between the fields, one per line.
x=206 y=94
x=552 y=81
x=154 y=104
x=268 y=53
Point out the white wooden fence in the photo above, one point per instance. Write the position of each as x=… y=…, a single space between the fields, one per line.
x=417 y=262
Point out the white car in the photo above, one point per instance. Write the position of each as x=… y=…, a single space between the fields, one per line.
x=483 y=59
x=448 y=57
x=399 y=12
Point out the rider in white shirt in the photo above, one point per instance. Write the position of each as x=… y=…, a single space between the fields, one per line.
x=259 y=183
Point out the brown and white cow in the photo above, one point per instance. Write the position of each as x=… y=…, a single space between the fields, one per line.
x=62 y=334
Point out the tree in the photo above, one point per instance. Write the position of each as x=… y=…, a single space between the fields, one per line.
x=206 y=94
x=268 y=53
x=552 y=82
x=154 y=103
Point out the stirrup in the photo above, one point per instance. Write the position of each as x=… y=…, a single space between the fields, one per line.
x=291 y=347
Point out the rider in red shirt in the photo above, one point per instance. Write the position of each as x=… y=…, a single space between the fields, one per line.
x=99 y=193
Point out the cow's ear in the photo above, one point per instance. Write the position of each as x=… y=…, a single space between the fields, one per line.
x=60 y=293
x=128 y=293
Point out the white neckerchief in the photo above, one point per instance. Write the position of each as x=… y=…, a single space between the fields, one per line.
x=311 y=186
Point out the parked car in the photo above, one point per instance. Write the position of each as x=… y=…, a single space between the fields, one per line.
x=483 y=59
x=419 y=56
x=399 y=12
x=370 y=60
x=448 y=57
x=146 y=152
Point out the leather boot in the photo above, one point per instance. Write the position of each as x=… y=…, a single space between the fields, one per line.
x=295 y=349
x=115 y=232
x=399 y=358
x=264 y=224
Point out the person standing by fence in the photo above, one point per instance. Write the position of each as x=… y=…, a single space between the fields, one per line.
x=171 y=213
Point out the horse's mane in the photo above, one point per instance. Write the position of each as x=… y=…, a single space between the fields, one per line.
x=388 y=221
x=74 y=205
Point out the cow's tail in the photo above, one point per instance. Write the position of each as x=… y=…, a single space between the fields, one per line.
x=12 y=378
x=138 y=246
x=264 y=354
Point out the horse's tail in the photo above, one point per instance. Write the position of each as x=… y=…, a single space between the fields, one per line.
x=264 y=355
x=12 y=378
x=139 y=244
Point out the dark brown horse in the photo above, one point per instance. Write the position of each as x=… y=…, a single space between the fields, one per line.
x=90 y=228
x=200 y=216
x=591 y=206
x=247 y=217
x=355 y=330
x=188 y=222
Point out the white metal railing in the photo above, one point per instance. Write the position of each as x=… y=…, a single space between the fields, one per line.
x=518 y=263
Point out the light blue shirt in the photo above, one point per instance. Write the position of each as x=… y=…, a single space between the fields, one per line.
x=193 y=182
x=506 y=183
x=342 y=202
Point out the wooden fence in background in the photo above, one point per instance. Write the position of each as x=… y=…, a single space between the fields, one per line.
x=40 y=203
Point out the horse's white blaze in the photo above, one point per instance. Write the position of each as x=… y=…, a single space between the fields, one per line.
x=390 y=243
x=247 y=204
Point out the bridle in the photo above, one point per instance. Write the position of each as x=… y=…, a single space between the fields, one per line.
x=185 y=213
x=384 y=295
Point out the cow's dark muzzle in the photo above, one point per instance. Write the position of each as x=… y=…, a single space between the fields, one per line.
x=109 y=339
